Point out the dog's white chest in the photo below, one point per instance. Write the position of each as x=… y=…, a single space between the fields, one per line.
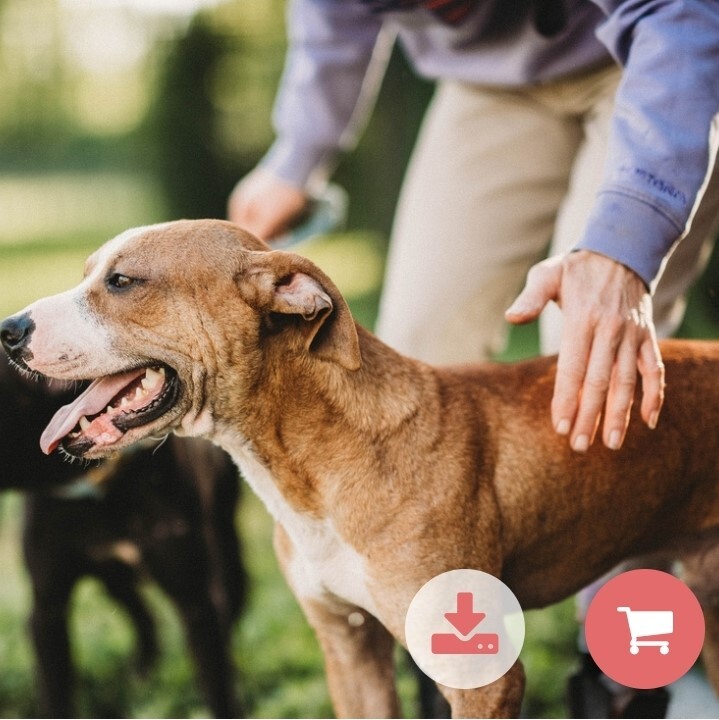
x=324 y=564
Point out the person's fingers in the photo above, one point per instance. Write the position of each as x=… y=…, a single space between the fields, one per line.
x=595 y=387
x=572 y=364
x=621 y=395
x=651 y=368
x=241 y=209
x=265 y=205
x=543 y=283
x=607 y=335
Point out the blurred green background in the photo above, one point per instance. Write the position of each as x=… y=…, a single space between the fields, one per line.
x=119 y=113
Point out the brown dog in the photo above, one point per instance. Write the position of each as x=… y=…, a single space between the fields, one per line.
x=381 y=471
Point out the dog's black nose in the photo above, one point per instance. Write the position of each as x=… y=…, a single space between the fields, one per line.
x=15 y=333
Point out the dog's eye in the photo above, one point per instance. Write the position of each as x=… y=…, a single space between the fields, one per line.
x=118 y=281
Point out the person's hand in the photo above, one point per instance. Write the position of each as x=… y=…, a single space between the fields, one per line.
x=265 y=205
x=607 y=335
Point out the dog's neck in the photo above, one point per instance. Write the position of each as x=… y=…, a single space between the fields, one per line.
x=310 y=417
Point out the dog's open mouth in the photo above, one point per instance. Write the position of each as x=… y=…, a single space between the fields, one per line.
x=110 y=407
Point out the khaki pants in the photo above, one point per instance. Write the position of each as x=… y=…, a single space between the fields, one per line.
x=498 y=177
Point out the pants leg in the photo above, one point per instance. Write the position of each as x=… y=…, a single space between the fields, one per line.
x=477 y=210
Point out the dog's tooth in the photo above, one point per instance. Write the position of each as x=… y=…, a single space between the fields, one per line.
x=152 y=379
x=84 y=423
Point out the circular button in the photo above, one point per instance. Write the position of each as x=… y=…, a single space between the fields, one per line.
x=464 y=628
x=644 y=628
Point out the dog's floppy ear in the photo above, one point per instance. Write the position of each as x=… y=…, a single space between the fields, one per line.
x=288 y=284
x=300 y=294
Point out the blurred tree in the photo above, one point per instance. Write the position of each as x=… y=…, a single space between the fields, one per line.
x=32 y=78
x=57 y=80
x=196 y=174
x=211 y=121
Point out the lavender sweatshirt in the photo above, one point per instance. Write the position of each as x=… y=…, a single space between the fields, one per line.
x=664 y=126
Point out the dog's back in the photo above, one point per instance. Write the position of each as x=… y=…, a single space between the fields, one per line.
x=659 y=493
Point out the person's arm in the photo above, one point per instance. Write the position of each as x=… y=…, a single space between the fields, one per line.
x=664 y=132
x=661 y=151
x=335 y=61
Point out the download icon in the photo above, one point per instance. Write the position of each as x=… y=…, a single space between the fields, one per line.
x=465 y=620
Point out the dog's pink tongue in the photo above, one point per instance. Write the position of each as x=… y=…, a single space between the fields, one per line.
x=94 y=400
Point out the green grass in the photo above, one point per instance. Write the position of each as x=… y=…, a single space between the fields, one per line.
x=279 y=663
x=27 y=274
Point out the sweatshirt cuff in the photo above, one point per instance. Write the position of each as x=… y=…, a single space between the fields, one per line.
x=303 y=169
x=630 y=231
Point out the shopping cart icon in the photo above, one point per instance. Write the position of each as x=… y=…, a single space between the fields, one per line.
x=648 y=623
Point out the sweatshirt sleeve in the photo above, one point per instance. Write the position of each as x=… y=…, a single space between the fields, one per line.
x=663 y=137
x=335 y=62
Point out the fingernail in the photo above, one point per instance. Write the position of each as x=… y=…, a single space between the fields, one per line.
x=615 y=440
x=654 y=419
x=519 y=307
x=563 y=427
x=581 y=443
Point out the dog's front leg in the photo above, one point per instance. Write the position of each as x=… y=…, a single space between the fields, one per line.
x=357 y=648
x=358 y=660
x=55 y=675
x=500 y=699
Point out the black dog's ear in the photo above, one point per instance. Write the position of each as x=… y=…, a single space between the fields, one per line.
x=288 y=284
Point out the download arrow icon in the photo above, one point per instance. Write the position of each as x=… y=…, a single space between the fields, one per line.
x=465 y=619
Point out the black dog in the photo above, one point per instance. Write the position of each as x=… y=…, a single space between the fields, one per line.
x=168 y=510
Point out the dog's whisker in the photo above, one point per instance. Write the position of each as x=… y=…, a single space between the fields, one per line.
x=24 y=371
x=162 y=440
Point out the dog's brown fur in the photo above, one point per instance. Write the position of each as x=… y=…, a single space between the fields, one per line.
x=368 y=457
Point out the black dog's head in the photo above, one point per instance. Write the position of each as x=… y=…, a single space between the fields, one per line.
x=26 y=405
